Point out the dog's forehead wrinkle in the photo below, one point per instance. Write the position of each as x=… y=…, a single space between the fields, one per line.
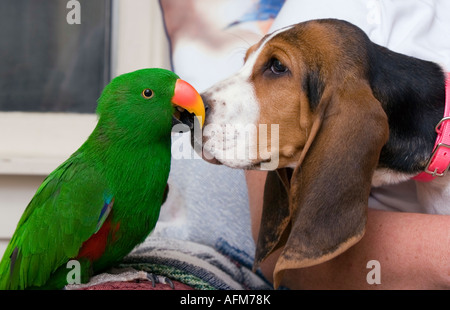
x=248 y=67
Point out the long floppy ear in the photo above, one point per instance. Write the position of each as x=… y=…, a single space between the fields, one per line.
x=276 y=214
x=275 y=217
x=329 y=188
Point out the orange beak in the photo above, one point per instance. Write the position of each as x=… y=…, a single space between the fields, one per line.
x=187 y=98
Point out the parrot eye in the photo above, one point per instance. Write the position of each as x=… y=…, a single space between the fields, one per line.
x=147 y=93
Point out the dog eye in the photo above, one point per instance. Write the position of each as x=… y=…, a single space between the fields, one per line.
x=277 y=67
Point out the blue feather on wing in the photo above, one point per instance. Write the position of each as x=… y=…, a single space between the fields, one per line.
x=107 y=207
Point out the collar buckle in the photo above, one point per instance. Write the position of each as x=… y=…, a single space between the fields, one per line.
x=435 y=173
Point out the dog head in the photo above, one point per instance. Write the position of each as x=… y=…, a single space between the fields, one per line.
x=302 y=105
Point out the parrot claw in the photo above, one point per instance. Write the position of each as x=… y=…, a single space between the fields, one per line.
x=168 y=282
x=159 y=279
x=152 y=278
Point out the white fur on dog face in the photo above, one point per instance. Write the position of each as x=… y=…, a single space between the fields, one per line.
x=234 y=108
x=231 y=128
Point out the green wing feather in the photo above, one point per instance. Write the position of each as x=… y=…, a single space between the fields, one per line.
x=62 y=215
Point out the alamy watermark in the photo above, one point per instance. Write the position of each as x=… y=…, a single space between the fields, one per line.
x=373 y=16
x=229 y=143
x=74 y=15
x=374 y=275
x=74 y=274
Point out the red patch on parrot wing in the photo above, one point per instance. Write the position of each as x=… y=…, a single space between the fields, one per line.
x=95 y=246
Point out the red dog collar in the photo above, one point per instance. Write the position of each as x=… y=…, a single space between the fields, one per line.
x=440 y=158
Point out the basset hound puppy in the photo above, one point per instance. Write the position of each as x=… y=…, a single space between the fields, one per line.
x=350 y=114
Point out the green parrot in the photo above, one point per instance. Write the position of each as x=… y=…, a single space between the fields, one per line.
x=105 y=199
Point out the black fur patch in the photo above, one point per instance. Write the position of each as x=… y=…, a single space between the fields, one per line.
x=313 y=86
x=412 y=93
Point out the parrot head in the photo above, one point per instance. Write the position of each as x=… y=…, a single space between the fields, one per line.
x=149 y=100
